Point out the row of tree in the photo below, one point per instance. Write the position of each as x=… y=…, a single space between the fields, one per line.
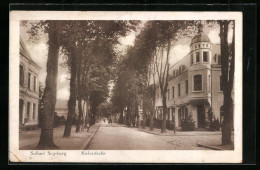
x=88 y=48
x=146 y=67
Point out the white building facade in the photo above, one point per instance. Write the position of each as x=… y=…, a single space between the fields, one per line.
x=28 y=88
x=194 y=84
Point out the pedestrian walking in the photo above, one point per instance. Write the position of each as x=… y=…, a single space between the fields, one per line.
x=87 y=127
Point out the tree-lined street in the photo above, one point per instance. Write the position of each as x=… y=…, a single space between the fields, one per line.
x=122 y=85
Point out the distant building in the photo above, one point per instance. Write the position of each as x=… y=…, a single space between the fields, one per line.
x=194 y=84
x=29 y=88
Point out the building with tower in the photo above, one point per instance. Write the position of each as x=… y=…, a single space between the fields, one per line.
x=195 y=85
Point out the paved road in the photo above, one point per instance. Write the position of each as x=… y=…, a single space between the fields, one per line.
x=118 y=137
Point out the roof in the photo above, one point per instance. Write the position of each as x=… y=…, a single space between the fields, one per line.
x=24 y=52
x=200 y=37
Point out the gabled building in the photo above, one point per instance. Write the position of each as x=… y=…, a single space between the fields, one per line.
x=195 y=84
x=29 y=88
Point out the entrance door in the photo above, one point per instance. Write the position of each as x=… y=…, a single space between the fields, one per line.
x=201 y=116
x=20 y=111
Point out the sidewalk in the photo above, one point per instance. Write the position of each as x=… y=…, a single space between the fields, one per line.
x=157 y=131
x=211 y=143
x=28 y=140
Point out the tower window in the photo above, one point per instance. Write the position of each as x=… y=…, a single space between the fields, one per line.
x=197 y=57
x=195 y=46
x=206 y=45
x=168 y=92
x=191 y=59
x=197 y=83
x=205 y=56
x=199 y=45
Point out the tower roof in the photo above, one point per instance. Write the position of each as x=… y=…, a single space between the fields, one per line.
x=201 y=36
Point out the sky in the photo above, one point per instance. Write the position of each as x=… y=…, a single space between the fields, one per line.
x=39 y=52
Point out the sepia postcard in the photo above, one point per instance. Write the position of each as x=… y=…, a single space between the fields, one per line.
x=125 y=87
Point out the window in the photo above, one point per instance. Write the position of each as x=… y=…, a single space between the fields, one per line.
x=206 y=45
x=173 y=92
x=219 y=59
x=34 y=107
x=34 y=83
x=28 y=109
x=179 y=90
x=191 y=59
x=215 y=58
x=220 y=84
x=29 y=80
x=203 y=45
x=197 y=83
x=197 y=57
x=209 y=83
x=199 y=45
x=205 y=56
x=186 y=85
x=157 y=95
x=182 y=113
x=168 y=93
x=195 y=46
x=21 y=75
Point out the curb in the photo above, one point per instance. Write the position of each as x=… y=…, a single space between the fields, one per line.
x=210 y=147
x=87 y=143
x=175 y=134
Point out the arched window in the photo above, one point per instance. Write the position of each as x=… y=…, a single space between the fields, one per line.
x=21 y=75
x=197 y=83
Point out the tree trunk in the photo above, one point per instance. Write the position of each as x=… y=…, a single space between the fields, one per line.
x=78 y=128
x=128 y=117
x=49 y=98
x=227 y=83
x=79 y=122
x=152 y=122
x=165 y=110
x=72 y=98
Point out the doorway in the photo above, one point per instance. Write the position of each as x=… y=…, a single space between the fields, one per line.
x=20 y=111
x=201 y=116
